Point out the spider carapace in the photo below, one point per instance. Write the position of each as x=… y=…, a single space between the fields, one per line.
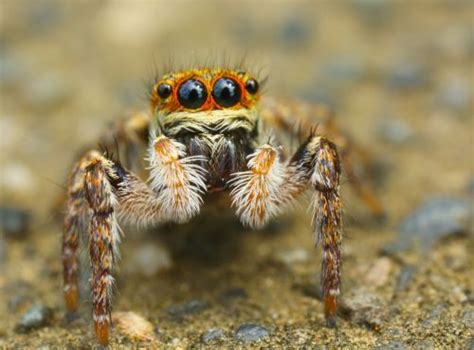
x=208 y=130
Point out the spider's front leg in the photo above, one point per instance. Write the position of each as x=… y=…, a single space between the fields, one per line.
x=319 y=157
x=100 y=189
x=261 y=192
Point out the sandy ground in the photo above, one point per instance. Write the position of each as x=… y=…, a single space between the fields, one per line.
x=399 y=77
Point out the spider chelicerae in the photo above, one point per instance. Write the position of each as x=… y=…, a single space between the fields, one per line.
x=207 y=131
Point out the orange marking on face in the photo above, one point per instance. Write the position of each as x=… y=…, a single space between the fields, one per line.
x=208 y=77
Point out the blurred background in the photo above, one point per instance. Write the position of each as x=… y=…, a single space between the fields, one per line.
x=399 y=76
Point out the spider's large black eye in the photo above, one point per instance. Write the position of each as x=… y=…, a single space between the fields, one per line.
x=164 y=90
x=226 y=92
x=192 y=94
x=251 y=86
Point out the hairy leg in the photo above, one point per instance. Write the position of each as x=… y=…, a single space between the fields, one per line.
x=289 y=119
x=103 y=188
x=262 y=191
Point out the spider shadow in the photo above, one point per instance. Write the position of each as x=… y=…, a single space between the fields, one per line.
x=212 y=238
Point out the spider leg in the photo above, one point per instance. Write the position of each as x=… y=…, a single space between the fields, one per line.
x=100 y=190
x=288 y=118
x=263 y=191
x=320 y=158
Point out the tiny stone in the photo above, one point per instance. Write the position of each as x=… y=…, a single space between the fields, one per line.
x=293 y=256
x=364 y=308
x=344 y=68
x=233 y=294
x=185 y=309
x=250 y=332
x=212 y=335
x=36 y=317
x=133 y=326
x=405 y=277
x=394 y=130
x=379 y=273
x=14 y=222
x=47 y=91
x=373 y=12
x=394 y=248
x=456 y=95
x=17 y=177
x=407 y=75
x=436 y=218
x=294 y=32
x=149 y=259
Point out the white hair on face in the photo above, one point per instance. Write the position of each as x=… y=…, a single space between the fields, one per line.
x=178 y=180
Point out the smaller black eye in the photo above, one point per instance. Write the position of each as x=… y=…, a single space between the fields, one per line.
x=164 y=90
x=251 y=86
x=226 y=92
x=192 y=94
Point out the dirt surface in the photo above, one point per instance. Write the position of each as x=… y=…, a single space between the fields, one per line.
x=399 y=76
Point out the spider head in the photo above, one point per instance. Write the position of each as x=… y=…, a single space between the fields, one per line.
x=205 y=100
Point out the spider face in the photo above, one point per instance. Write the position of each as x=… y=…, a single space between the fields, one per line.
x=205 y=90
x=213 y=112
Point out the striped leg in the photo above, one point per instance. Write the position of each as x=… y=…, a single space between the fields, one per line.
x=99 y=190
x=260 y=193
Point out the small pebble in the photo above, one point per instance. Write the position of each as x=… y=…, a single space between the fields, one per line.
x=149 y=259
x=17 y=178
x=344 y=69
x=408 y=75
x=294 y=31
x=405 y=277
x=249 y=333
x=43 y=15
x=232 y=294
x=12 y=70
x=435 y=219
x=293 y=256
x=456 y=95
x=14 y=222
x=133 y=326
x=192 y=307
x=379 y=272
x=394 y=131
x=373 y=12
x=212 y=334
x=364 y=308
x=47 y=91
x=36 y=317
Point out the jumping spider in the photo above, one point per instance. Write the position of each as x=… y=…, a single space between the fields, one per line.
x=207 y=132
